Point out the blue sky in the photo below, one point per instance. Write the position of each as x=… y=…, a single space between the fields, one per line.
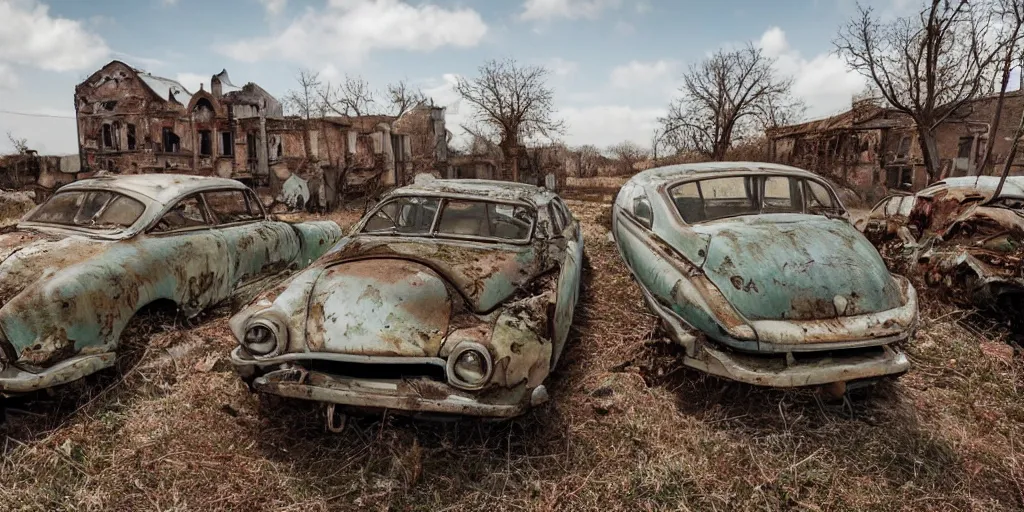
x=615 y=64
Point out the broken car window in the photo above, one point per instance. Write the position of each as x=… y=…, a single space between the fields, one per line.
x=485 y=219
x=781 y=195
x=188 y=213
x=405 y=215
x=96 y=209
x=230 y=206
x=819 y=199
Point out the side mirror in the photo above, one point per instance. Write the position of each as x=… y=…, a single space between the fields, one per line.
x=642 y=211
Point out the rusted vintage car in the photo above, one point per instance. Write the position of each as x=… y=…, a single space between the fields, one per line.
x=82 y=264
x=756 y=271
x=957 y=237
x=450 y=297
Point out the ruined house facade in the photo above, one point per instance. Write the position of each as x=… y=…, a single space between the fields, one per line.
x=130 y=121
x=871 y=149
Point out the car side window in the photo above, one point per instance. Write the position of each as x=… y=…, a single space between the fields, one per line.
x=186 y=214
x=404 y=215
x=566 y=214
x=557 y=220
x=642 y=210
x=231 y=206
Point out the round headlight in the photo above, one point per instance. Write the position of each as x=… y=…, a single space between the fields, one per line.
x=260 y=340
x=469 y=367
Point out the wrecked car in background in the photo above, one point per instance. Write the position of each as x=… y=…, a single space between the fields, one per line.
x=957 y=237
x=82 y=264
x=449 y=297
x=755 y=270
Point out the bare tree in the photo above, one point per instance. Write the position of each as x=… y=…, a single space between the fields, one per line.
x=514 y=102
x=628 y=153
x=20 y=145
x=1011 y=16
x=726 y=97
x=926 y=66
x=588 y=160
x=402 y=98
x=306 y=103
x=352 y=97
x=355 y=97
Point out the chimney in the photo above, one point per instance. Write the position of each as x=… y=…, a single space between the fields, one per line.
x=215 y=85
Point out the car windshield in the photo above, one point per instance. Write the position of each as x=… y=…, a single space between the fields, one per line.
x=458 y=218
x=731 y=196
x=89 y=209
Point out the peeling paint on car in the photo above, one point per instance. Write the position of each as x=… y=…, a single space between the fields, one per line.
x=398 y=310
x=792 y=296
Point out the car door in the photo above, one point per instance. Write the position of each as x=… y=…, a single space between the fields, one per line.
x=193 y=269
x=257 y=247
x=568 y=286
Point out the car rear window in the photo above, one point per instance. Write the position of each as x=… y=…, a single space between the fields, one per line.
x=731 y=196
x=485 y=219
x=90 y=209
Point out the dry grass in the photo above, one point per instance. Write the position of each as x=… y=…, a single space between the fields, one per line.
x=628 y=429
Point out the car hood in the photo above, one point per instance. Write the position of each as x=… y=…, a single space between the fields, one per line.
x=29 y=256
x=797 y=267
x=378 y=307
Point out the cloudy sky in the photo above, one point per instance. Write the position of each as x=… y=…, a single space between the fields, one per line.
x=615 y=63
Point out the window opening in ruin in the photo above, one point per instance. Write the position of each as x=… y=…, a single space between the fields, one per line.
x=171 y=141
x=131 y=136
x=227 y=144
x=108 y=136
x=205 y=143
x=904 y=148
x=962 y=164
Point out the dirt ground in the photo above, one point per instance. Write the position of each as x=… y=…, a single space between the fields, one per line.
x=628 y=428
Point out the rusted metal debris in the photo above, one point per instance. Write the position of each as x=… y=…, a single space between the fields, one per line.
x=450 y=296
x=755 y=269
x=956 y=237
x=81 y=265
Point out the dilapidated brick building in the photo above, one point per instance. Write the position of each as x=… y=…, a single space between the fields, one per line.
x=871 y=148
x=130 y=121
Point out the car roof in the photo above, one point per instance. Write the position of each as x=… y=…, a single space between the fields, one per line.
x=1014 y=186
x=473 y=188
x=162 y=188
x=659 y=175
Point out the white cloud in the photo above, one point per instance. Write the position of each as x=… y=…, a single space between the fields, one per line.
x=29 y=36
x=547 y=10
x=274 y=7
x=351 y=29
x=642 y=75
x=561 y=67
x=823 y=82
x=8 y=80
x=604 y=125
x=192 y=81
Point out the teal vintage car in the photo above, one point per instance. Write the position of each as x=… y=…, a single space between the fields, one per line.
x=450 y=297
x=82 y=264
x=757 y=272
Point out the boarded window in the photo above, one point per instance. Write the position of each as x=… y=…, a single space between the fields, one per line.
x=188 y=213
x=205 y=143
x=227 y=144
x=230 y=206
x=131 y=136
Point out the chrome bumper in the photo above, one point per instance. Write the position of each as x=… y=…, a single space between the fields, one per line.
x=767 y=370
x=410 y=395
x=14 y=380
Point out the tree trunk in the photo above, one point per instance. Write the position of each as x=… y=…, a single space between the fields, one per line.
x=929 y=152
x=996 y=116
